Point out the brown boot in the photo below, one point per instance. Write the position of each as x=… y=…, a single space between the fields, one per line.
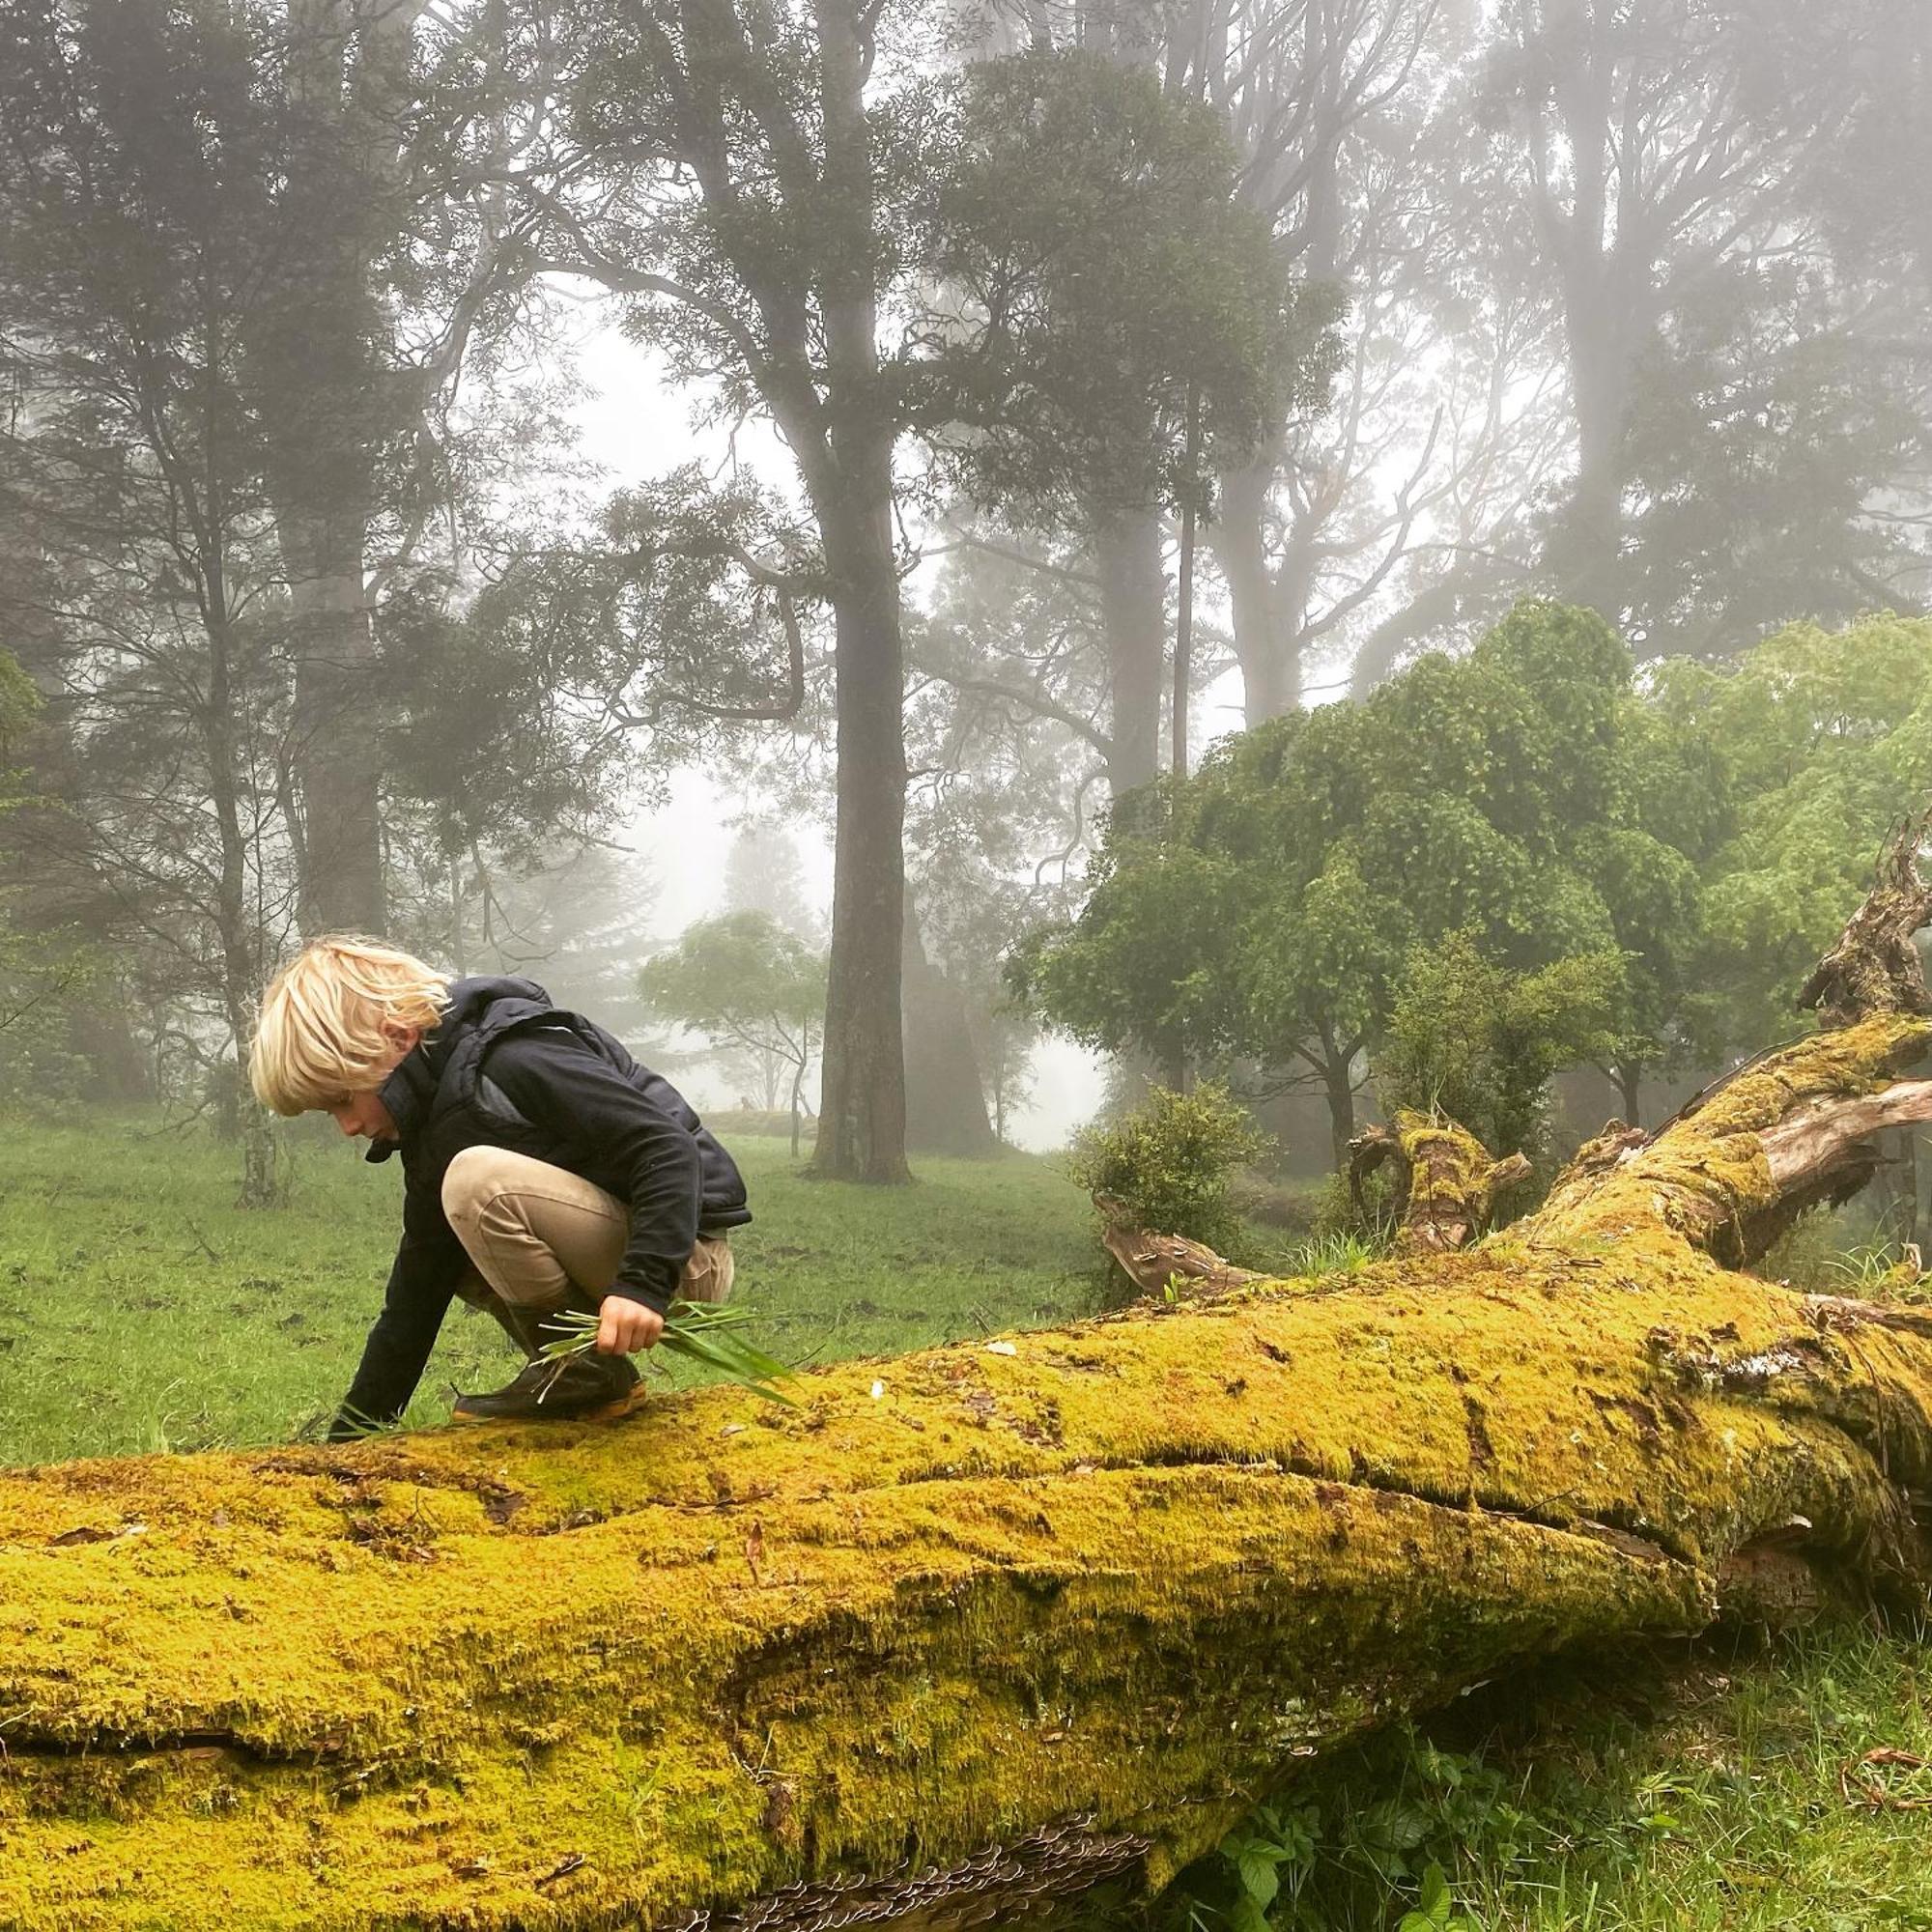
x=578 y=1388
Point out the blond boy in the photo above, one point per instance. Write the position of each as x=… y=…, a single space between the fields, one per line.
x=544 y=1168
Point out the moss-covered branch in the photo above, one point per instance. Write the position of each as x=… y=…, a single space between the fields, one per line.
x=1737 y=1165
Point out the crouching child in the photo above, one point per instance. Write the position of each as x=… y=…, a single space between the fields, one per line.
x=544 y=1170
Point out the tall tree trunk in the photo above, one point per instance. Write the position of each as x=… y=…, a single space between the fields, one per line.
x=1338 y=1089
x=1602 y=276
x=862 y=1118
x=1270 y=670
x=329 y=402
x=1629 y=1077
x=1585 y=542
x=1133 y=623
x=946 y=1099
x=237 y=932
x=338 y=760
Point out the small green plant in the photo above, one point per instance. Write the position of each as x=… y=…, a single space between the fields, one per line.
x=1171 y=1163
x=703 y=1332
x=1338 y=1252
x=1878 y=1272
x=1480 y=1041
x=1435 y=1910
x=1270 y=1852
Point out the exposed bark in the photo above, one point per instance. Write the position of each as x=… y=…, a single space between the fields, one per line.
x=1449 y=1182
x=1876 y=967
x=1133 y=601
x=862 y=1119
x=976 y=1625
x=1156 y=1263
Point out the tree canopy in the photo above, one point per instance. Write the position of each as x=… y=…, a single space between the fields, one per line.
x=1667 y=849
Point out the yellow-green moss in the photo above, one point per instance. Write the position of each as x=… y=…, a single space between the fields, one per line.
x=1122 y=1572
x=1705 y=1177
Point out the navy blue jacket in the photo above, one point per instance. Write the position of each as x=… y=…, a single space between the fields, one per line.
x=506 y=1069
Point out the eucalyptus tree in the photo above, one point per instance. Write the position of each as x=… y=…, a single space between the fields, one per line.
x=756 y=186
x=1736 y=437
x=395 y=281
x=136 y=229
x=1157 y=336
x=1335 y=109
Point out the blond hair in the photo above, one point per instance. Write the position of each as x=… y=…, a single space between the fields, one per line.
x=319 y=1035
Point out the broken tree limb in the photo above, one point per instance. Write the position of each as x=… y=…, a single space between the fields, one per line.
x=1875 y=966
x=1448 y=1183
x=1744 y=1159
x=1155 y=1263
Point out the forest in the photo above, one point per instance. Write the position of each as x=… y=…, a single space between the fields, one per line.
x=1243 y=691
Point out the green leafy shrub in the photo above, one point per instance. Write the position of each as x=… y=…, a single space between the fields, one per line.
x=1172 y=1162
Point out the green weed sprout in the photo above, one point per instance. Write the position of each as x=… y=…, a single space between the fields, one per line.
x=702 y=1332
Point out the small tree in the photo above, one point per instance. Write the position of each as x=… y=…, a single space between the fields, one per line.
x=749 y=985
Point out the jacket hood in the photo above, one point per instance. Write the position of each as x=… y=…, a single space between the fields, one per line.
x=487 y=1004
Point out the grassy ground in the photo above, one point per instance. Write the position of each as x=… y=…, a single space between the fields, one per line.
x=140 y=1309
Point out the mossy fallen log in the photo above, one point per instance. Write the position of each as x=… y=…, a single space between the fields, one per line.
x=977 y=1625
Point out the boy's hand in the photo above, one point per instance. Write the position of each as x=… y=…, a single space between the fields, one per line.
x=625 y=1326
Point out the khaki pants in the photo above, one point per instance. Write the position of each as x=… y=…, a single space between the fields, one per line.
x=532 y=1230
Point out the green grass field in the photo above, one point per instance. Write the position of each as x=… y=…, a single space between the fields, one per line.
x=140 y=1309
